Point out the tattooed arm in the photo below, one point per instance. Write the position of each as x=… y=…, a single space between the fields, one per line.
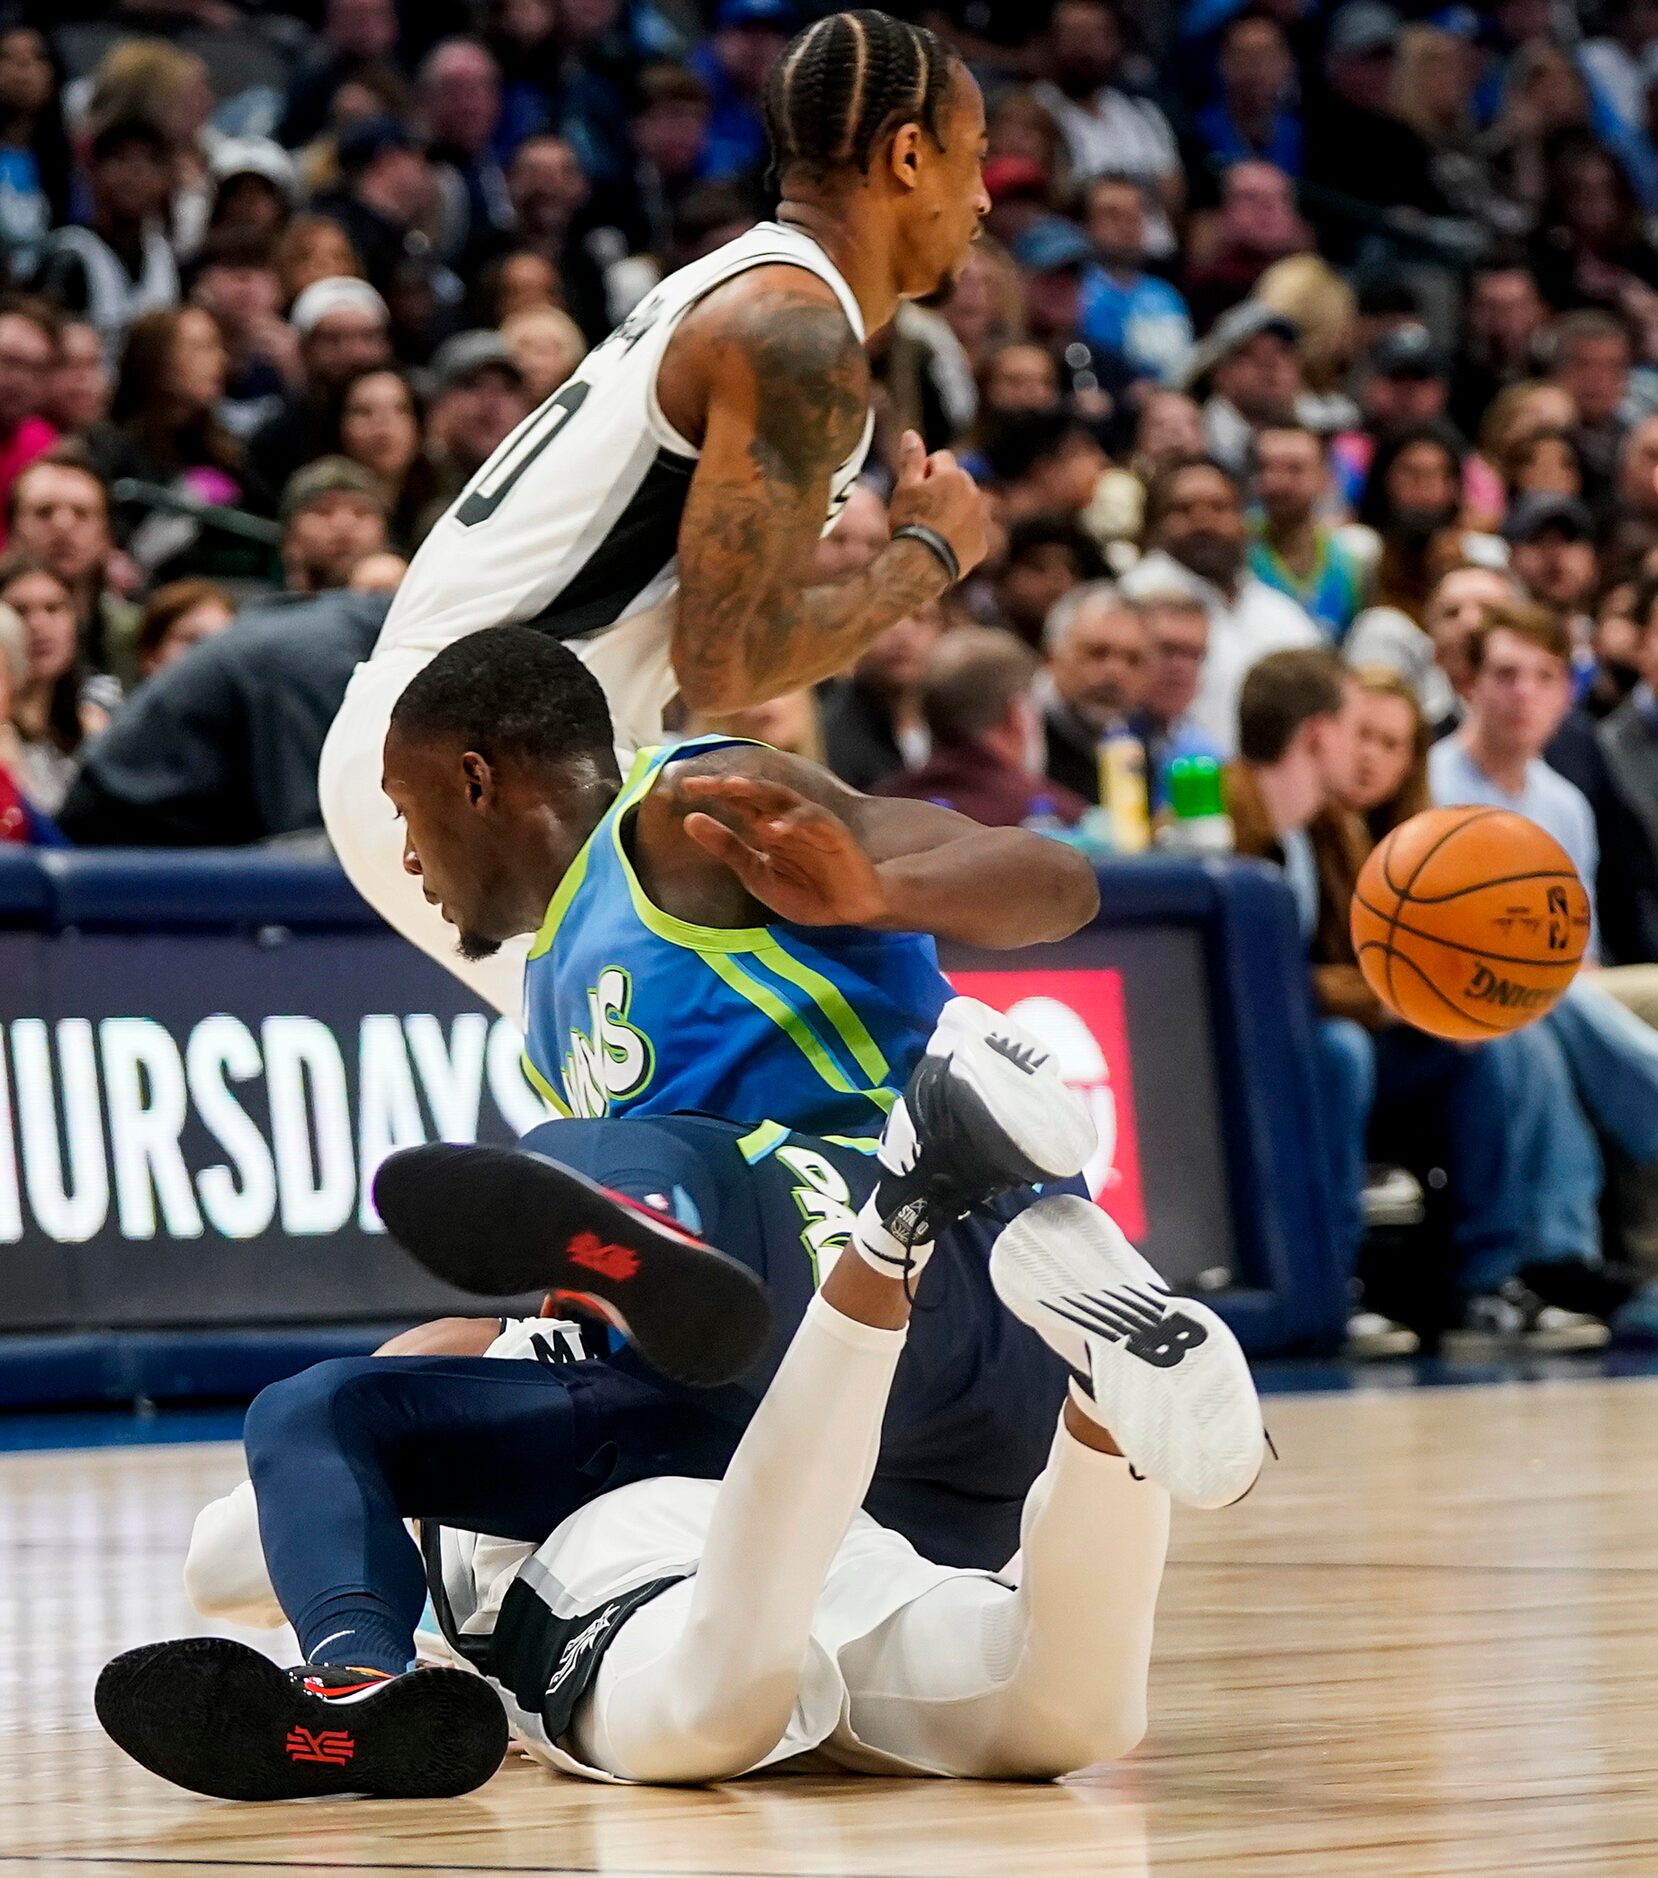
x=785 y=388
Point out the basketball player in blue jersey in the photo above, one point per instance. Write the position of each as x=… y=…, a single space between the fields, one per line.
x=659 y=513
x=726 y=929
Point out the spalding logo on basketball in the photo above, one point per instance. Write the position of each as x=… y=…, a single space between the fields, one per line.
x=1469 y=922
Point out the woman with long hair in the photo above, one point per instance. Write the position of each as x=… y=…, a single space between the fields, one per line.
x=1412 y=500
x=381 y=425
x=1389 y=783
x=35 y=161
x=57 y=706
x=1543 y=462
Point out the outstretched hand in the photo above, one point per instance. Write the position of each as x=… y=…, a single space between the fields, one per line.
x=794 y=856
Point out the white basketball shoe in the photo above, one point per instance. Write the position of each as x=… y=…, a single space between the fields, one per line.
x=1161 y=1373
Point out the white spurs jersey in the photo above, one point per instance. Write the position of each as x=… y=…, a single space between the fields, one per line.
x=573 y=524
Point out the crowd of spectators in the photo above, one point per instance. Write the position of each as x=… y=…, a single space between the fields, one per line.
x=1309 y=363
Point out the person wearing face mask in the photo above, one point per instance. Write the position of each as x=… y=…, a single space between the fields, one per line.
x=1198 y=542
x=977 y=697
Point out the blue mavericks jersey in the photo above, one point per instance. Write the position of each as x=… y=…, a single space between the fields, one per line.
x=633 y=1012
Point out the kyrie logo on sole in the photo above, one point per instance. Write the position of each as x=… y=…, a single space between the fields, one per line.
x=599 y=1255
x=329 y=1747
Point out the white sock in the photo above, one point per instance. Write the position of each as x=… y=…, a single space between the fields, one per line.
x=885 y=1244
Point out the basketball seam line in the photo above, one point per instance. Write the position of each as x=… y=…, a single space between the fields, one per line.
x=1403 y=893
x=1456 y=945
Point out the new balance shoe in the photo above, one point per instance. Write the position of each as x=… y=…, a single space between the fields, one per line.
x=220 y=1719
x=984 y=1111
x=1162 y=1374
x=500 y=1222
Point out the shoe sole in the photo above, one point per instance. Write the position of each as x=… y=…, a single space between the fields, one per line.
x=220 y=1719
x=1193 y=1423
x=1025 y=1103
x=499 y=1222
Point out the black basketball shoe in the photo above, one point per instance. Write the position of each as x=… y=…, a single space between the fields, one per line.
x=984 y=1111
x=219 y=1718
x=500 y=1222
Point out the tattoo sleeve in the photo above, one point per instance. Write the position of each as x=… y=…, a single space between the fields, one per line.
x=788 y=400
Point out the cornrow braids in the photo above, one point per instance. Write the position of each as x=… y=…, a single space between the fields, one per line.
x=848 y=80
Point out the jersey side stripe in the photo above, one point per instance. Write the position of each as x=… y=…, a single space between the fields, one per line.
x=832 y=1001
x=639 y=543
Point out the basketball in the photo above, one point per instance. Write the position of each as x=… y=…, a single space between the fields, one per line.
x=1469 y=922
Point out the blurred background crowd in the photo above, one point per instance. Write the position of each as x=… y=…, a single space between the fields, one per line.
x=1309 y=363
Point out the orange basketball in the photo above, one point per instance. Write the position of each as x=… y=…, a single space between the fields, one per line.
x=1469 y=922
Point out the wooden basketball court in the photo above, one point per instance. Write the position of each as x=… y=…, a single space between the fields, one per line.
x=1428 y=1643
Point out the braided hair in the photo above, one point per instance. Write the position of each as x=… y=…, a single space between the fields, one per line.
x=847 y=81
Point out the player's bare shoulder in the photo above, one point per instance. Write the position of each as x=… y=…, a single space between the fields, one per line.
x=777 y=339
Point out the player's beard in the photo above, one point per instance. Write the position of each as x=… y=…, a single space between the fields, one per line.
x=473 y=946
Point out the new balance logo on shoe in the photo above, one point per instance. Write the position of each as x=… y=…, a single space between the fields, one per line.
x=1023 y=1056
x=616 y=1262
x=329 y=1747
x=1139 y=1320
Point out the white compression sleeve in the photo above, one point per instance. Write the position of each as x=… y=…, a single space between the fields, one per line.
x=711 y=1696
x=978 y=1681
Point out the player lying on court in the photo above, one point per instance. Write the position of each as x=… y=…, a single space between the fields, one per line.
x=512 y=803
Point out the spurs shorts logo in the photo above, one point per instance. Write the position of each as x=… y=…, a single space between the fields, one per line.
x=825 y=1203
x=581 y=1644
x=611 y=1060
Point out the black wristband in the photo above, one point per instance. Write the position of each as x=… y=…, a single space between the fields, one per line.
x=932 y=539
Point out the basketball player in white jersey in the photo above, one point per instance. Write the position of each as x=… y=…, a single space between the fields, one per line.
x=659 y=512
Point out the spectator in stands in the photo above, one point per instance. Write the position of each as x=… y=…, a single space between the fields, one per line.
x=342 y=325
x=333 y=518
x=1545 y=463
x=1254 y=115
x=1432 y=658
x=546 y=346
x=81 y=384
x=1046 y=463
x=28 y=347
x=669 y=128
x=1411 y=504
x=1592 y=357
x=357 y=36
x=749 y=36
x=1177 y=625
x=871 y=719
x=1292 y=548
x=164 y=428
x=1047 y=555
x=313 y=248
x=1629 y=741
x=549 y=189
x=34 y=146
x=178 y=616
x=1633 y=530
x=255 y=187
x=236 y=284
x=460 y=109
x=1098 y=649
x=1404 y=385
x=1249 y=369
x=1256 y=225
x=1378 y=1079
x=977 y=697
x=1107 y=131
x=58 y=705
x=381 y=426
x=1198 y=543
x=60 y=516
x=1503 y=321
x=119 y=263
x=221 y=748
x=387 y=194
x=1124 y=310
x=1389 y=781
x=477 y=398
x=1552 y=555
x=21 y=823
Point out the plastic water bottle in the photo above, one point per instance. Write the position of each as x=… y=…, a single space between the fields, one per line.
x=1198 y=822
x=1122 y=761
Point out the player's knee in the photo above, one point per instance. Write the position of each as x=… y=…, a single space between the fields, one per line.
x=318 y=1401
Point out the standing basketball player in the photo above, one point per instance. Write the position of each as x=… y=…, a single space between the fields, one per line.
x=659 y=513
